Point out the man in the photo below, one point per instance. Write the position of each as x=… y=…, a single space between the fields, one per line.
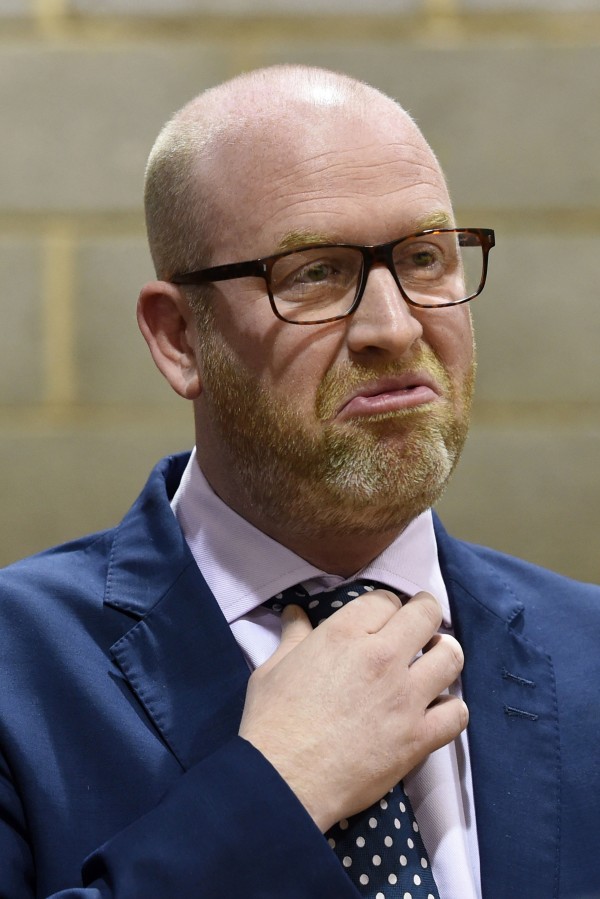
x=311 y=304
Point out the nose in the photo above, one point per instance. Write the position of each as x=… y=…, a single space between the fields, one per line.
x=384 y=323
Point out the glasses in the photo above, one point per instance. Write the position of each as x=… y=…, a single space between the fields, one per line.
x=323 y=283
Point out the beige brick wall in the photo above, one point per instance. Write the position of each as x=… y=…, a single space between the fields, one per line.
x=509 y=95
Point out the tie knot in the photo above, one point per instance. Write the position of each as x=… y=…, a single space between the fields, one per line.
x=321 y=605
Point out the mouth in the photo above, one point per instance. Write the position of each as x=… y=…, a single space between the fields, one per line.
x=391 y=394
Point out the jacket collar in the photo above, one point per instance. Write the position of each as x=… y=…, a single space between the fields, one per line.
x=508 y=685
x=179 y=658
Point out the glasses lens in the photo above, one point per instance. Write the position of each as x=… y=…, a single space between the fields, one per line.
x=316 y=283
x=440 y=268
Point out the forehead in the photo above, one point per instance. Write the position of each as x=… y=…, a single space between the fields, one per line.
x=353 y=175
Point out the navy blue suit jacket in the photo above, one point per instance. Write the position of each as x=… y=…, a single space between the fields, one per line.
x=121 y=691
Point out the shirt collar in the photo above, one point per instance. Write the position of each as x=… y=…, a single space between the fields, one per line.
x=243 y=566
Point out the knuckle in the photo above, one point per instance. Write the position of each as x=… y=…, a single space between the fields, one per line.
x=448 y=720
x=339 y=628
x=431 y=610
x=436 y=734
x=446 y=731
x=389 y=596
x=455 y=652
x=379 y=658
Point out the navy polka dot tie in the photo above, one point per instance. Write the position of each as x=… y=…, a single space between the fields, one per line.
x=380 y=848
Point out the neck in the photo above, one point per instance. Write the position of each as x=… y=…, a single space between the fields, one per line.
x=340 y=551
x=341 y=555
x=317 y=527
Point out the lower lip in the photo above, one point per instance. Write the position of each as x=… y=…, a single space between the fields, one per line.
x=395 y=401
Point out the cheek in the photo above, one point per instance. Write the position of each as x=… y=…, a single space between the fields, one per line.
x=242 y=322
x=449 y=333
x=300 y=358
x=298 y=365
x=289 y=361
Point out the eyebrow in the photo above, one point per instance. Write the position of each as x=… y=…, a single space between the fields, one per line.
x=298 y=238
x=438 y=219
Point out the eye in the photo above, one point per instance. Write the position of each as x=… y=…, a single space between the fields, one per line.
x=424 y=260
x=307 y=273
x=315 y=273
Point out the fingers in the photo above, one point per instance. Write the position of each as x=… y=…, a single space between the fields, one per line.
x=411 y=627
x=369 y=612
x=438 y=667
x=445 y=716
x=295 y=627
x=399 y=631
x=444 y=720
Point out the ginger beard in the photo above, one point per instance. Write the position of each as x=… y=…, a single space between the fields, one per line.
x=361 y=476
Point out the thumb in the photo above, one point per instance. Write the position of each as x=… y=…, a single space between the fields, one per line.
x=295 y=627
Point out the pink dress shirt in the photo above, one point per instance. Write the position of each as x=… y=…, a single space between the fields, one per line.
x=243 y=567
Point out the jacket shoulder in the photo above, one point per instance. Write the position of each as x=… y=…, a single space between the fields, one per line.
x=80 y=567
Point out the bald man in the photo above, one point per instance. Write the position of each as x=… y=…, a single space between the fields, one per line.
x=167 y=729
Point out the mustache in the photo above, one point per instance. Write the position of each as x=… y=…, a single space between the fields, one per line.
x=348 y=376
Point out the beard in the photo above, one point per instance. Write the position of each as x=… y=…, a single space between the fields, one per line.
x=362 y=476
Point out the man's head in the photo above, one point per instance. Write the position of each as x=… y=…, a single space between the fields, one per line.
x=339 y=432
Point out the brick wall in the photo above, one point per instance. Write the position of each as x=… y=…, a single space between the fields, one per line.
x=509 y=95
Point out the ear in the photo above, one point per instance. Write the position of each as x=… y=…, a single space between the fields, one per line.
x=167 y=323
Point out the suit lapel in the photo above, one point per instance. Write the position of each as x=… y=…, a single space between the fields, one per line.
x=508 y=684
x=180 y=658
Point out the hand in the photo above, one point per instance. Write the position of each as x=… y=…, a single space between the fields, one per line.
x=345 y=711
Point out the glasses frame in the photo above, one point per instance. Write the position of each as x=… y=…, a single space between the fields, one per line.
x=383 y=253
